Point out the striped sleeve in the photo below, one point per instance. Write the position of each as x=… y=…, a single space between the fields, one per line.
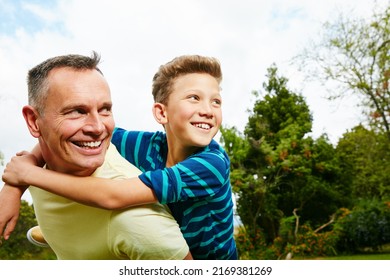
x=200 y=175
x=135 y=147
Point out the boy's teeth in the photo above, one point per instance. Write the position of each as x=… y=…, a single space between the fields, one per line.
x=203 y=125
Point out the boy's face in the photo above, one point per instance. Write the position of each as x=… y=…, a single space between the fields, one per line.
x=193 y=111
x=76 y=127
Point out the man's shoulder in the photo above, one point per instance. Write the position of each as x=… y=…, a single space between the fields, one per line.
x=115 y=166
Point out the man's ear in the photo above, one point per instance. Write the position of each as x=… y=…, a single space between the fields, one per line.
x=160 y=113
x=30 y=115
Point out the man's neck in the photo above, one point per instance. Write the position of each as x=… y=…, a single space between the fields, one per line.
x=80 y=173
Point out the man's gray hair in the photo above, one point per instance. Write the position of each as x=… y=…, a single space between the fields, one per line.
x=38 y=84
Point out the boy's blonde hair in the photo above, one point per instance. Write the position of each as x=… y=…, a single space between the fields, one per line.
x=187 y=64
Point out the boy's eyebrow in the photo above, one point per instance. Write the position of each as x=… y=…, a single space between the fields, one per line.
x=198 y=90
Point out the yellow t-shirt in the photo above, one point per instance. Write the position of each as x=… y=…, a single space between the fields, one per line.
x=76 y=231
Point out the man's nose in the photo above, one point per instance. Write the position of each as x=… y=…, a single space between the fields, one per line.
x=94 y=124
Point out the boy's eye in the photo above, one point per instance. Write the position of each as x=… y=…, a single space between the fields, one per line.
x=217 y=101
x=193 y=97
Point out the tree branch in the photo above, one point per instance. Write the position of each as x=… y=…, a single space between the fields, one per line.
x=332 y=218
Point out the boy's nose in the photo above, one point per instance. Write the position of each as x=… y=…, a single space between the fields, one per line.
x=206 y=109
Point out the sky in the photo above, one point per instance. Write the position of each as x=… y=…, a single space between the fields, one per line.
x=135 y=37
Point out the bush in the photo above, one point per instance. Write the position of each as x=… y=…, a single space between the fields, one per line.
x=306 y=244
x=366 y=226
x=311 y=243
x=251 y=245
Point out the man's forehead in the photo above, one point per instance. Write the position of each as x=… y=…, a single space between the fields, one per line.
x=78 y=88
x=71 y=71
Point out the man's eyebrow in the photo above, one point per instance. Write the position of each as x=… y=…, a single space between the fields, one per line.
x=107 y=104
x=72 y=106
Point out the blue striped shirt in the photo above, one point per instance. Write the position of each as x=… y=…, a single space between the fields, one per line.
x=197 y=190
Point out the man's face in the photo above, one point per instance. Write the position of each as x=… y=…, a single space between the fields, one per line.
x=77 y=123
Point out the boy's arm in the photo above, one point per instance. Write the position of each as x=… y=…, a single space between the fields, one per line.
x=10 y=200
x=36 y=152
x=9 y=209
x=98 y=192
x=199 y=176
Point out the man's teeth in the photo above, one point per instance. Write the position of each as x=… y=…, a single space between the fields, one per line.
x=203 y=125
x=90 y=144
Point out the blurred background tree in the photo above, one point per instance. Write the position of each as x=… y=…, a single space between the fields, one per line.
x=17 y=247
x=353 y=56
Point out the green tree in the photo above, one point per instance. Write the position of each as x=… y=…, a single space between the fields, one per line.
x=354 y=55
x=364 y=157
x=277 y=169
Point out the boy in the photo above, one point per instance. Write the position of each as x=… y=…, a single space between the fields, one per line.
x=183 y=167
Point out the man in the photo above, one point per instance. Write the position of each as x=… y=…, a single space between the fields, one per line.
x=69 y=112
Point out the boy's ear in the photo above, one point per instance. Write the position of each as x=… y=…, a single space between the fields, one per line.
x=160 y=113
x=30 y=115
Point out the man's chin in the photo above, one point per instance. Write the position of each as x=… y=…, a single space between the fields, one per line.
x=87 y=169
x=90 y=163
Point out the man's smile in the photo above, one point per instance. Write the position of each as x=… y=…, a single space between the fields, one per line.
x=90 y=144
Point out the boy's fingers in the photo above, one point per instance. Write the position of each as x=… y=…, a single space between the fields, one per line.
x=1 y=230
x=9 y=228
x=22 y=153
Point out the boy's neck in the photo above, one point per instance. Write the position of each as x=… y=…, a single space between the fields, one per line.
x=177 y=154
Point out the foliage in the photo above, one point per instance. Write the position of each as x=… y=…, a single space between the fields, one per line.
x=311 y=243
x=364 y=157
x=17 y=247
x=279 y=170
x=353 y=54
x=276 y=167
x=307 y=242
x=250 y=245
x=367 y=225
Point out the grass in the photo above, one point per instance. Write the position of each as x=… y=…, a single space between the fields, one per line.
x=384 y=256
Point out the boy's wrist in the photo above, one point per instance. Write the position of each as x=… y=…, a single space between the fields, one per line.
x=16 y=191
x=31 y=173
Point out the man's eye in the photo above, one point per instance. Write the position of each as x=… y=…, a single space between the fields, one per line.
x=75 y=112
x=105 y=111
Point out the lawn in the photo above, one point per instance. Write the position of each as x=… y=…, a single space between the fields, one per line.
x=384 y=256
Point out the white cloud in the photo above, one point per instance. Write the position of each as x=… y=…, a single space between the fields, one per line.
x=43 y=13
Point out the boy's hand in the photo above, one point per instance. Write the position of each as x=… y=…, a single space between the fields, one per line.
x=9 y=209
x=16 y=172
